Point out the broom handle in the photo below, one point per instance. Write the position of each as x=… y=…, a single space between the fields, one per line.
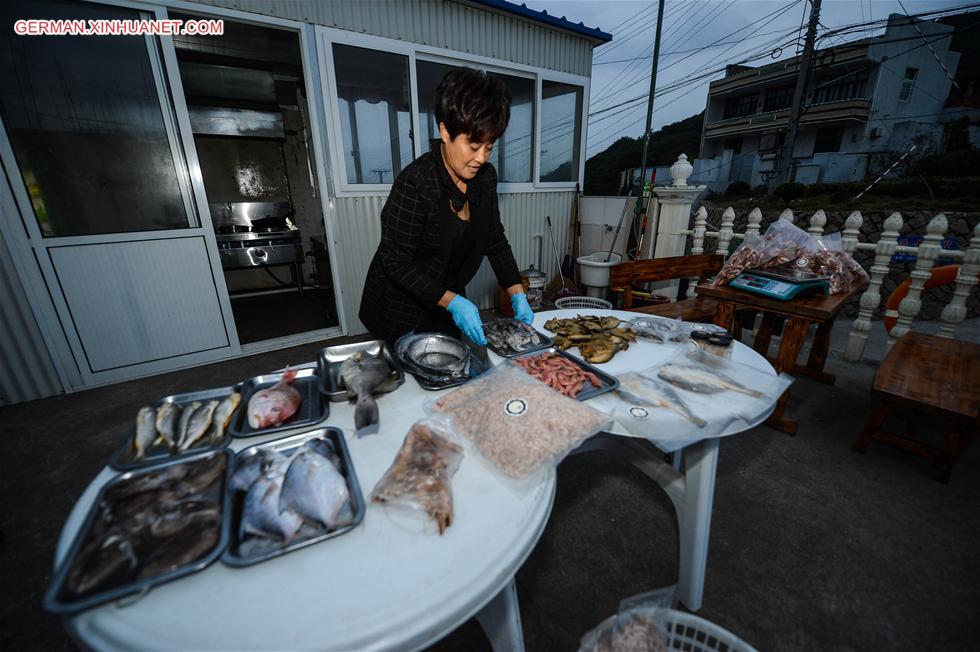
x=554 y=248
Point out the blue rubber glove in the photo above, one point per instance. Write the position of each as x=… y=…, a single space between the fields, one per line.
x=522 y=309
x=467 y=317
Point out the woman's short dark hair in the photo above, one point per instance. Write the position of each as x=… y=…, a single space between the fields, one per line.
x=471 y=102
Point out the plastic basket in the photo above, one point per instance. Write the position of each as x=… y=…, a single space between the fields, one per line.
x=593 y=303
x=688 y=632
x=681 y=631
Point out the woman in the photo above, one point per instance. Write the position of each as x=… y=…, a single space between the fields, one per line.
x=442 y=218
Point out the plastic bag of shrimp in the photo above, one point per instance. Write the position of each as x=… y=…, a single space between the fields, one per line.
x=517 y=423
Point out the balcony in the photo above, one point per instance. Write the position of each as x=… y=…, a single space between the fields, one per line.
x=844 y=56
x=855 y=110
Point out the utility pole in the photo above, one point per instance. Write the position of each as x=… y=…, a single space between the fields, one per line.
x=785 y=159
x=638 y=210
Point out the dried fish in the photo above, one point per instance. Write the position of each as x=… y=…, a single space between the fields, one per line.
x=166 y=423
x=650 y=393
x=702 y=381
x=198 y=425
x=597 y=338
x=185 y=419
x=223 y=414
x=101 y=559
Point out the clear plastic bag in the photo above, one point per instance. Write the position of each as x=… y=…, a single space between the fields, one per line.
x=702 y=396
x=516 y=422
x=783 y=243
x=638 y=629
x=829 y=259
x=420 y=477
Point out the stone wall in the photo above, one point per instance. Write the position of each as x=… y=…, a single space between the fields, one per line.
x=961 y=226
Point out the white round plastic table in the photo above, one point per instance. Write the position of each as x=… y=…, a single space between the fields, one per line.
x=388 y=584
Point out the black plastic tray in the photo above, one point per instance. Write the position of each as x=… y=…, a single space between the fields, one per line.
x=61 y=601
x=309 y=533
x=609 y=382
x=122 y=459
x=313 y=407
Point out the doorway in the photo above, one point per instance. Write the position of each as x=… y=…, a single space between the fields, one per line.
x=247 y=103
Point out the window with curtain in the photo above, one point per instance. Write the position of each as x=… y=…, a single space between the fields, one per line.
x=561 y=131
x=374 y=103
x=513 y=152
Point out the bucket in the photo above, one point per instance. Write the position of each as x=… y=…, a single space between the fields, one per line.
x=594 y=272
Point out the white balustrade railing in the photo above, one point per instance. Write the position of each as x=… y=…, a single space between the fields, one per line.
x=884 y=249
x=673 y=214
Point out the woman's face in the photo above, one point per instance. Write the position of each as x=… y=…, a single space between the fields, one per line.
x=464 y=156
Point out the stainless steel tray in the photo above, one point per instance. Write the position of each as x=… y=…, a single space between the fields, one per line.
x=331 y=358
x=60 y=600
x=313 y=407
x=474 y=368
x=309 y=533
x=123 y=460
x=508 y=352
x=608 y=381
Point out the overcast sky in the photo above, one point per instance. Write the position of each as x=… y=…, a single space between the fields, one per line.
x=740 y=28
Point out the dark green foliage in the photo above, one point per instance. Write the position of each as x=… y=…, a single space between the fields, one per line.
x=738 y=189
x=790 y=191
x=760 y=191
x=602 y=170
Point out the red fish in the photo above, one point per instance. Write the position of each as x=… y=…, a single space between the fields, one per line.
x=271 y=406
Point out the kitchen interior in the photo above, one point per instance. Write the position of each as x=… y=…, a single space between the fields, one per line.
x=247 y=101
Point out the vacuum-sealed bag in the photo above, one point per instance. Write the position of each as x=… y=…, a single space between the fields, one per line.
x=420 y=477
x=693 y=396
x=518 y=423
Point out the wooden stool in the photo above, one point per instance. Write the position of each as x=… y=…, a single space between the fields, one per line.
x=934 y=375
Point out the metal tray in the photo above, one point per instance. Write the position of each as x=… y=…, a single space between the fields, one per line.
x=123 y=460
x=473 y=369
x=609 y=382
x=312 y=410
x=331 y=358
x=510 y=353
x=309 y=534
x=60 y=600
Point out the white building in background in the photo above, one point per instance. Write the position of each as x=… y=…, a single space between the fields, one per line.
x=867 y=103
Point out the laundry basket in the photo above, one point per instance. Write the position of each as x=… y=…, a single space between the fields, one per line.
x=678 y=631
x=571 y=303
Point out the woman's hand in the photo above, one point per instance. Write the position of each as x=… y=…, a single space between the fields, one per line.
x=522 y=309
x=467 y=318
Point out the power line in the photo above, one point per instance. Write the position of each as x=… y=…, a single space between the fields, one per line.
x=935 y=56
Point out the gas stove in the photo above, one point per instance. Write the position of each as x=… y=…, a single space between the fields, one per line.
x=256 y=234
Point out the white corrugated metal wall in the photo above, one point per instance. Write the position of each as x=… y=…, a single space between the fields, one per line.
x=26 y=369
x=440 y=23
x=357 y=229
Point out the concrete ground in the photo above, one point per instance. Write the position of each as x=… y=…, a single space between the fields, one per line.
x=813 y=546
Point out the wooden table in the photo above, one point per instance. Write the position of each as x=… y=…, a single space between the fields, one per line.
x=818 y=309
x=930 y=374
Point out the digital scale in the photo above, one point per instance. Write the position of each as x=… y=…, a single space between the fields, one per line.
x=782 y=284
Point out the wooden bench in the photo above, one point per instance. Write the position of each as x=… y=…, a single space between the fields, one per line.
x=627 y=277
x=934 y=375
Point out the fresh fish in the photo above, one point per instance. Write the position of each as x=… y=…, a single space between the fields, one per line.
x=261 y=514
x=434 y=354
x=146 y=432
x=169 y=522
x=198 y=424
x=510 y=336
x=263 y=462
x=100 y=560
x=223 y=414
x=184 y=547
x=650 y=393
x=271 y=406
x=314 y=488
x=185 y=419
x=166 y=423
x=361 y=373
x=702 y=381
x=325 y=448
